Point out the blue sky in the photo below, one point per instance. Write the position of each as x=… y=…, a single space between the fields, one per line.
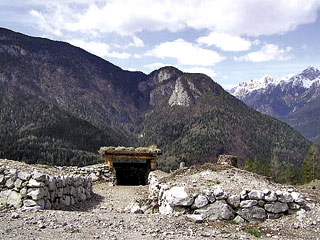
x=230 y=40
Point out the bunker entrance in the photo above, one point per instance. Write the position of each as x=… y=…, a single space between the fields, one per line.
x=132 y=173
x=131 y=165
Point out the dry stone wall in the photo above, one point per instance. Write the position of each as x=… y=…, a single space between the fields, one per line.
x=36 y=190
x=216 y=204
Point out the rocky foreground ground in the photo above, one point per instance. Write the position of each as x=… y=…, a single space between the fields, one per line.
x=103 y=216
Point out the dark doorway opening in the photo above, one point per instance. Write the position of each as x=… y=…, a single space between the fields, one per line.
x=132 y=173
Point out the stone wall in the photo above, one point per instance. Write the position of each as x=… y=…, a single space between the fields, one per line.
x=95 y=172
x=216 y=204
x=36 y=190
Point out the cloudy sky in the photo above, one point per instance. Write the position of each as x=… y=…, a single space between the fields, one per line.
x=229 y=40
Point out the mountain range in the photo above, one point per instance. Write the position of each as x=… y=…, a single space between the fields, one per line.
x=59 y=104
x=294 y=99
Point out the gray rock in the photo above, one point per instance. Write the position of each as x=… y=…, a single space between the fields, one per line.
x=10 y=198
x=18 y=183
x=294 y=206
x=218 y=192
x=10 y=182
x=24 y=176
x=177 y=196
x=297 y=197
x=238 y=219
x=243 y=194
x=29 y=203
x=254 y=213
x=219 y=210
x=256 y=195
x=39 y=176
x=48 y=205
x=40 y=203
x=200 y=202
x=210 y=196
x=52 y=184
x=23 y=192
x=266 y=191
x=261 y=203
x=274 y=215
x=195 y=218
x=133 y=207
x=1 y=178
x=285 y=197
x=234 y=201
x=276 y=207
x=248 y=203
x=34 y=183
x=270 y=197
x=36 y=193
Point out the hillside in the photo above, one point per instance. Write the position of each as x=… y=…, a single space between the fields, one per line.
x=294 y=99
x=195 y=120
x=59 y=102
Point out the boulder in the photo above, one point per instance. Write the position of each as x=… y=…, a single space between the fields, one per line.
x=52 y=184
x=36 y=193
x=10 y=182
x=277 y=207
x=248 y=203
x=209 y=194
x=254 y=213
x=24 y=176
x=234 y=201
x=219 y=210
x=10 y=198
x=294 y=206
x=18 y=184
x=256 y=195
x=297 y=197
x=285 y=197
x=195 y=218
x=271 y=196
x=177 y=196
x=34 y=183
x=218 y=192
x=200 y=202
x=29 y=203
x=39 y=176
x=238 y=219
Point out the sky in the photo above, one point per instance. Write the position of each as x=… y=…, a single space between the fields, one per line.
x=229 y=40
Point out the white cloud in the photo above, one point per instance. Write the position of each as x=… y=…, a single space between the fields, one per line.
x=186 y=53
x=137 y=42
x=268 y=52
x=203 y=70
x=131 y=69
x=225 y=41
x=98 y=48
x=156 y=65
x=125 y=17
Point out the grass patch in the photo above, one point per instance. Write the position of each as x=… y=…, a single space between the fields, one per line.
x=254 y=232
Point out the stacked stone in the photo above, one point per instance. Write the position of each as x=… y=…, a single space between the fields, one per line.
x=249 y=205
x=97 y=172
x=40 y=191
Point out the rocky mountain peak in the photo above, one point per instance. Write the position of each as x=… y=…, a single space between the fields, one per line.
x=310 y=73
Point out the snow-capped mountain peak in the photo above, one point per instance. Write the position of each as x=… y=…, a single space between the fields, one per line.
x=305 y=79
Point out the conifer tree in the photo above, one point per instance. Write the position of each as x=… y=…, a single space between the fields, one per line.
x=248 y=165
x=308 y=170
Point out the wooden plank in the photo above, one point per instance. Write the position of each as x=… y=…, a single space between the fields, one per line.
x=130 y=156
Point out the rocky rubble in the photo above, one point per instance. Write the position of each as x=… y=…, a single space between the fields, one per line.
x=36 y=190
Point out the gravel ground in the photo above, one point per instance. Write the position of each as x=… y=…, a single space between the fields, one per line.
x=103 y=216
